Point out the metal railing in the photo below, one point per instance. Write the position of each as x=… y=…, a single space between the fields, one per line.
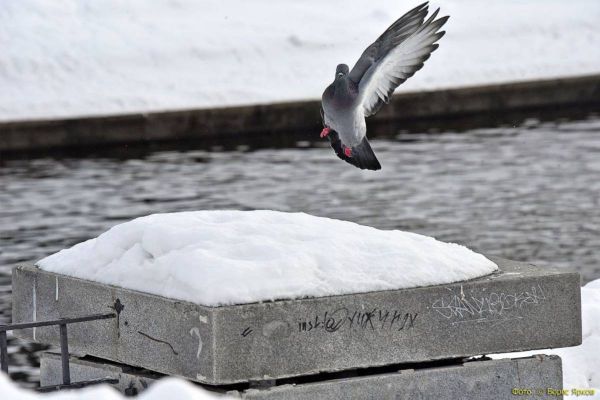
x=64 y=348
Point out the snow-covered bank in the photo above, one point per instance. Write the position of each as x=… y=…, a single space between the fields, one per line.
x=235 y=257
x=70 y=58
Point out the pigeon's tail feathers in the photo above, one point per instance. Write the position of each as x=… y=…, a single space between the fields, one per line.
x=362 y=156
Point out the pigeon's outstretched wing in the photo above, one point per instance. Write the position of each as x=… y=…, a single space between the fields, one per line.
x=395 y=56
x=363 y=156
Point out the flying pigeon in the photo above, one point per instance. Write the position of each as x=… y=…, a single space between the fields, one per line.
x=358 y=93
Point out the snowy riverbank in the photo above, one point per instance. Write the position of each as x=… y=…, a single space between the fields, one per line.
x=71 y=58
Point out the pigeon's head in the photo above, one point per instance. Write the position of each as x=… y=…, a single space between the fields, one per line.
x=341 y=70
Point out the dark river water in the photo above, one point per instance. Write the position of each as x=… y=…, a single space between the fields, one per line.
x=530 y=192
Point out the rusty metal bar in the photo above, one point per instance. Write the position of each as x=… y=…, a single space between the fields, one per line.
x=3 y=352
x=64 y=355
x=37 y=324
x=76 y=385
x=64 y=349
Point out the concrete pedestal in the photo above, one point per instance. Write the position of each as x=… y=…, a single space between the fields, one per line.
x=491 y=379
x=521 y=307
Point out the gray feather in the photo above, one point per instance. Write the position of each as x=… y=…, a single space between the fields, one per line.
x=396 y=56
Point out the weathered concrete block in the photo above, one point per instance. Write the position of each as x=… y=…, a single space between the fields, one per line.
x=521 y=307
x=490 y=379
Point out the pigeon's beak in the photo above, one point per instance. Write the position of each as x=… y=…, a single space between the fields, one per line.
x=340 y=74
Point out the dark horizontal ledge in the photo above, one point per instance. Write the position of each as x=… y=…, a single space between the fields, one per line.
x=273 y=123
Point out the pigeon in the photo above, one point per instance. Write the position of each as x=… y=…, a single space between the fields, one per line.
x=358 y=93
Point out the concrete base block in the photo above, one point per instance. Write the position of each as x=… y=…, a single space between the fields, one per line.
x=493 y=379
x=521 y=307
x=489 y=379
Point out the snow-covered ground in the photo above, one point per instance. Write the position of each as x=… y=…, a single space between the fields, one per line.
x=69 y=57
x=235 y=257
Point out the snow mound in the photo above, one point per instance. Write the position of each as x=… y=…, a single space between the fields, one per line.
x=235 y=257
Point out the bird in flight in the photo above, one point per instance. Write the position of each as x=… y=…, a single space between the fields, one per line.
x=358 y=93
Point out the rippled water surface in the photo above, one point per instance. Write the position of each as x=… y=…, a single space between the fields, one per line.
x=526 y=193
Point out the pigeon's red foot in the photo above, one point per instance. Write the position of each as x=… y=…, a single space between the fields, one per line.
x=325 y=132
x=347 y=151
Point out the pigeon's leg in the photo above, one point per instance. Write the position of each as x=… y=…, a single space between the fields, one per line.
x=325 y=132
x=347 y=151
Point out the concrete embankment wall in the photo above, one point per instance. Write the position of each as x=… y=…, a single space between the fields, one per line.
x=275 y=124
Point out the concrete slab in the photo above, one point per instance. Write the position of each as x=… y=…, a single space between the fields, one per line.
x=490 y=379
x=493 y=379
x=521 y=307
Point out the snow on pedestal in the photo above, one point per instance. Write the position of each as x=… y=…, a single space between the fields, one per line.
x=236 y=257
